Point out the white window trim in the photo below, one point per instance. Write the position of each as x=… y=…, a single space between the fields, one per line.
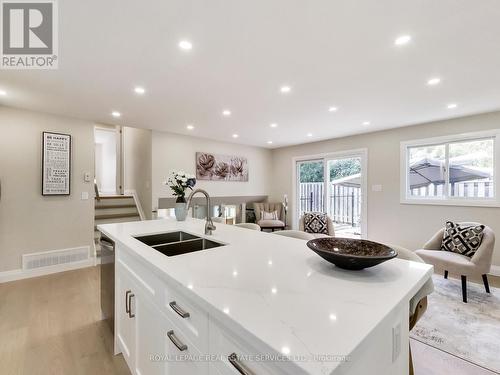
x=451 y=201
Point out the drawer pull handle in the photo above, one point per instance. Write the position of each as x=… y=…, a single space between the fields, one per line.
x=233 y=359
x=127 y=309
x=178 y=310
x=130 y=296
x=178 y=343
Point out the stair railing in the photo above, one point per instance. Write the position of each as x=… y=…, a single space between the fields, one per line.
x=96 y=190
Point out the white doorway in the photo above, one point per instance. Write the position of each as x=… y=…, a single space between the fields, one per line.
x=334 y=183
x=108 y=160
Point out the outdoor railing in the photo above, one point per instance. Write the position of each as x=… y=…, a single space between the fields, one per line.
x=344 y=202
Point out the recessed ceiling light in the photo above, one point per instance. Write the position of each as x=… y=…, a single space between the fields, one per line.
x=285 y=89
x=332 y=109
x=452 y=106
x=309 y=134
x=366 y=123
x=285 y=350
x=140 y=90
x=116 y=114
x=269 y=142
x=273 y=125
x=434 y=81
x=190 y=127
x=402 y=40
x=226 y=113
x=235 y=135
x=185 y=45
x=3 y=92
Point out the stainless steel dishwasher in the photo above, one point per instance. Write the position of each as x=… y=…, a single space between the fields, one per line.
x=108 y=280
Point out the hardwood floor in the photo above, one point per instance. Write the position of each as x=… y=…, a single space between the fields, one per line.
x=51 y=325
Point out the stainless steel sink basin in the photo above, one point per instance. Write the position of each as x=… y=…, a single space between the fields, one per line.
x=165 y=238
x=177 y=243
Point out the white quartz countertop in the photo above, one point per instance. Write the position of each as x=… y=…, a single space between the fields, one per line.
x=276 y=289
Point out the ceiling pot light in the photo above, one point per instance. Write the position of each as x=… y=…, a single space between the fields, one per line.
x=185 y=45
x=366 y=123
x=226 y=113
x=190 y=127
x=285 y=89
x=269 y=142
x=235 y=135
x=116 y=114
x=139 y=90
x=3 y=92
x=309 y=134
x=452 y=106
x=273 y=125
x=402 y=40
x=434 y=81
x=332 y=109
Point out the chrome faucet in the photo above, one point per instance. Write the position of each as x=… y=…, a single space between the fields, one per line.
x=209 y=225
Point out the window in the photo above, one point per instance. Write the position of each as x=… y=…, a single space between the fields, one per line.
x=460 y=170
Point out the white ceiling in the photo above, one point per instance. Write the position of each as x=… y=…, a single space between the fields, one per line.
x=331 y=52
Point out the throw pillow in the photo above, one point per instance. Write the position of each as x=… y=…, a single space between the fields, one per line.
x=316 y=222
x=269 y=215
x=462 y=239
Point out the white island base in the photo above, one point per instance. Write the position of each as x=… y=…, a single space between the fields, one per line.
x=261 y=304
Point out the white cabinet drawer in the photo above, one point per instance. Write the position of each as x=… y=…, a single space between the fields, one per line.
x=223 y=345
x=191 y=320
x=183 y=358
x=142 y=275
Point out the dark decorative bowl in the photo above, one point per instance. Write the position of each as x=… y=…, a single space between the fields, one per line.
x=350 y=253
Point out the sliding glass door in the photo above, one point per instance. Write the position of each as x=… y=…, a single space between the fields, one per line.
x=310 y=186
x=345 y=195
x=334 y=184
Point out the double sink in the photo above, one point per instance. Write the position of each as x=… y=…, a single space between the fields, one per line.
x=177 y=243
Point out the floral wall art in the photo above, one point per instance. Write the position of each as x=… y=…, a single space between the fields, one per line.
x=221 y=167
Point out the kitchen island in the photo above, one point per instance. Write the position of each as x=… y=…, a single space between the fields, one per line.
x=258 y=304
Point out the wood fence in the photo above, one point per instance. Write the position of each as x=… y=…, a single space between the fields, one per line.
x=344 y=202
x=467 y=189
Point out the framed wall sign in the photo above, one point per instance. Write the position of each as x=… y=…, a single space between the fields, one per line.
x=56 y=164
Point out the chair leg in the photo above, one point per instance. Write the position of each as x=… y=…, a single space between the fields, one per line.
x=485 y=282
x=445 y=274
x=464 y=288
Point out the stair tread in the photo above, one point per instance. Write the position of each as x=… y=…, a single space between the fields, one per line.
x=115 y=197
x=115 y=206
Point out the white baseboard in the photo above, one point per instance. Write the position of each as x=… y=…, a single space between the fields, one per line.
x=20 y=274
x=495 y=270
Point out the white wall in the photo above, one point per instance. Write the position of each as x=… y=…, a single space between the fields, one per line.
x=389 y=220
x=30 y=222
x=174 y=152
x=105 y=160
x=137 y=165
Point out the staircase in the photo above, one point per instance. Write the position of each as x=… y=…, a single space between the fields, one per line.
x=113 y=209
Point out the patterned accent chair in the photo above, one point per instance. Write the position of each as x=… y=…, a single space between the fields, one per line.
x=331 y=228
x=269 y=207
x=478 y=265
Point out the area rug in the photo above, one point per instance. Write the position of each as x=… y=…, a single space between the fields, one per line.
x=467 y=330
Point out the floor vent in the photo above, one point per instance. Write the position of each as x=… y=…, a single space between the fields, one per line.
x=55 y=257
